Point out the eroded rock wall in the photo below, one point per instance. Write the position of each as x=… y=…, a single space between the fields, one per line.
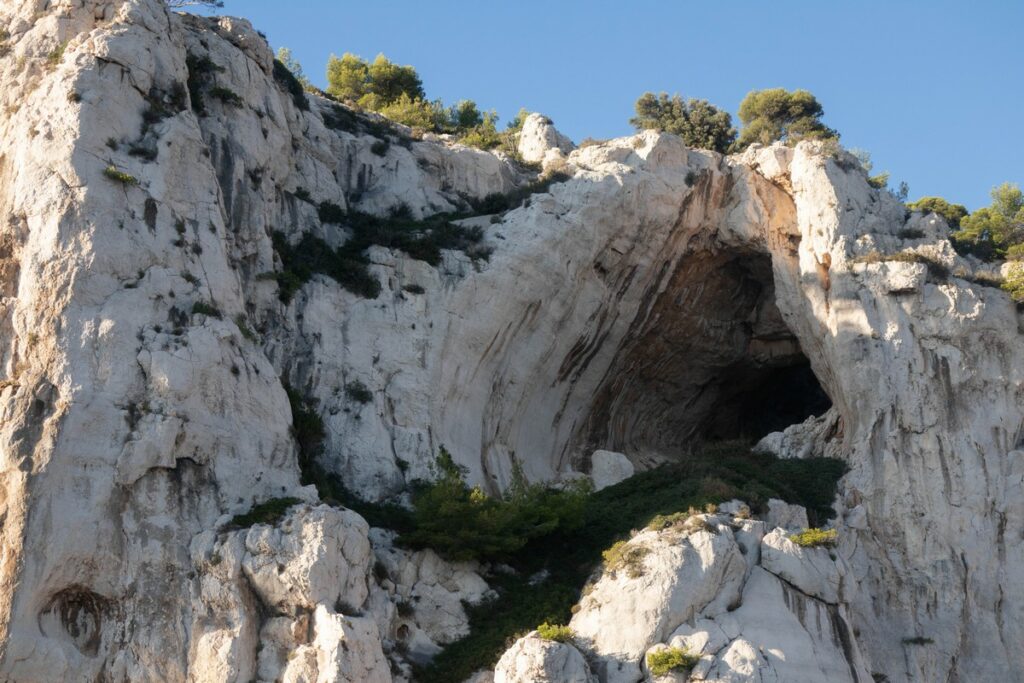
x=143 y=347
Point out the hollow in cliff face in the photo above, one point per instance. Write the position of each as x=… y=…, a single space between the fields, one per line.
x=712 y=359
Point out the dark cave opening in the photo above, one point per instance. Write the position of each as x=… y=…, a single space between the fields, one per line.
x=757 y=401
x=712 y=360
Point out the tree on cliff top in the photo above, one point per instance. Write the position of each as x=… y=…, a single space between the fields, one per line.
x=698 y=122
x=372 y=85
x=778 y=114
x=996 y=230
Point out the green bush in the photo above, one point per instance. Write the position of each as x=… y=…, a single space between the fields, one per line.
x=371 y=85
x=463 y=523
x=226 y=95
x=200 y=75
x=661 y=662
x=120 y=176
x=778 y=114
x=555 y=632
x=265 y=513
x=623 y=556
x=204 y=308
x=611 y=513
x=699 y=123
x=996 y=231
x=815 y=538
x=329 y=212
x=358 y=392
x=1014 y=283
x=953 y=213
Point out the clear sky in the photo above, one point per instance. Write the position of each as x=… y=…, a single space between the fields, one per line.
x=934 y=89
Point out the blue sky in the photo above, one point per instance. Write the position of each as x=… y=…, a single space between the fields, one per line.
x=933 y=89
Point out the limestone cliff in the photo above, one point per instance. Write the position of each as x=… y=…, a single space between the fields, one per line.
x=657 y=296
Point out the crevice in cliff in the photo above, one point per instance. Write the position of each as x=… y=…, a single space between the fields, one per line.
x=713 y=360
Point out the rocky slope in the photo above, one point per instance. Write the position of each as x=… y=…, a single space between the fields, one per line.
x=658 y=296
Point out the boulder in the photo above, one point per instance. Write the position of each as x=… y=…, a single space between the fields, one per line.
x=608 y=468
x=535 y=660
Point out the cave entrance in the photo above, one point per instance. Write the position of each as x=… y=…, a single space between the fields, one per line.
x=712 y=359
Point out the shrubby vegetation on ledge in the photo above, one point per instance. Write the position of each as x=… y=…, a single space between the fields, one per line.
x=711 y=474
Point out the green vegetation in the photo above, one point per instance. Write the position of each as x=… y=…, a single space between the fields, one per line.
x=243 y=327
x=711 y=474
x=348 y=265
x=288 y=74
x=204 y=308
x=815 y=538
x=555 y=632
x=358 y=392
x=778 y=114
x=1014 y=283
x=996 y=231
x=625 y=557
x=200 y=76
x=396 y=92
x=918 y=640
x=120 y=176
x=226 y=95
x=54 y=57
x=669 y=659
x=463 y=523
x=699 y=123
x=953 y=213
x=265 y=513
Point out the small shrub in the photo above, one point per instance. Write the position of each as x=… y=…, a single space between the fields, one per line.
x=1014 y=283
x=627 y=557
x=303 y=194
x=380 y=148
x=120 y=176
x=330 y=212
x=265 y=513
x=204 y=308
x=54 y=57
x=240 y=322
x=286 y=79
x=815 y=538
x=910 y=234
x=358 y=392
x=555 y=632
x=463 y=523
x=662 y=662
x=414 y=289
x=227 y=96
x=918 y=640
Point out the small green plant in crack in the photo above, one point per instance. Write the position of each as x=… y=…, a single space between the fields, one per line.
x=358 y=392
x=815 y=538
x=54 y=57
x=227 y=96
x=662 y=662
x=268 y=512
x=120 y=176
x=623 y=556
x=243 y=327
x=557 y=633
x=204 y=308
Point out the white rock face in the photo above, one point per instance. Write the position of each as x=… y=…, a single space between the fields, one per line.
x=627 y=309
x=785 y=619
x=608 y=468
x=539 y=137
x=535 y=660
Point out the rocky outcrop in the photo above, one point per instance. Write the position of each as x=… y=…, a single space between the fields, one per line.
x=541 y=143
x=533 y=659
x=752 y=606
x=658 y=296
